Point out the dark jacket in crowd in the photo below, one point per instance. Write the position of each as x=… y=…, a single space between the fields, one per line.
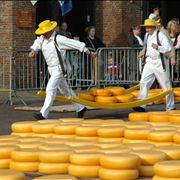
x=132 y=41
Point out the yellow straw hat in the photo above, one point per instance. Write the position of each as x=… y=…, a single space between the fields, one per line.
x=150 y=22
x=45 y=27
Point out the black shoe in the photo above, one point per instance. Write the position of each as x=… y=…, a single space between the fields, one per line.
x=81 y=113
x=139 y=109
x=38 y=116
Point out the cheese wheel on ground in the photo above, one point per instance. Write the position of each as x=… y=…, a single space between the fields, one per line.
x=110 y=132
x=48 y=147
x=43 y=128
x=53 y=168
x=138 y=116
x=8 y=137
x=4 y=163
x=176 y=92
x=161 y=136
x=24 y=166
x=25 y=155
x=116 y=91
x=8 y=143
x=54 y=140
x=110 y=140
x=150 y=157
x=55 y=156
x=125 y=141
x=22 y=127
x=174 y=118
x=154 y=124
x=71 y=120
x=140 y=146
x=86 y=96
x=5 y=151
x=173 y=152
x=146 y=171
x=153 y=117
x=65 y=129
x=8 y=174
x=176 y=138
x=100 y=92
x=49 y=121
x=77 y=143
x=86 y=131
x=48 y=135
x=159 y=144
x=90 y=148
x=105 y=99
x=136 y=124
x=120 y=161
x=163 y=178
x=83 y=171
x=115 y=150
x=27 y=134
x=69 y=136
x=86 y=158
x=108 y=145
x=125 y=98
x=135 y=93
x=30 y=139
x=169 y=169
x=166 y=128
x=117 y=174
x=173 y=112
x=55 y=177
x=136 y=133
x=29 y=144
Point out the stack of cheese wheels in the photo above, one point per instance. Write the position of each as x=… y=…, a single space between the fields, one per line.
x=86 y=96
x=84 y=164
x=8 y=174
x=55 y=177
x=174 y=118
x=138 y=116
x=167 y=170
x=176 y=138
x=25 y=160
x=158 y=117
x=110 y=133
x=161 y=137
x=140 y=146
x=119 y=166
x=54 y=161
x=5 y=155
x=148 y=159
x=23 y=128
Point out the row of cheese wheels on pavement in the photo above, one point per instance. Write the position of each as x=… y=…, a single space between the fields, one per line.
x=119 y=95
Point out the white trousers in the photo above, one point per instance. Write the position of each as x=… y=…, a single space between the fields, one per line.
x=152 y=69
x=57 y=81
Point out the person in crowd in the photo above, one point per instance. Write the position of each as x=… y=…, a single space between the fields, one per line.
x=155 y=14
x=153 y=67
x=92 y=41
x=173 y=28
x=134 y=39
x=48 y=43
x=64 y=30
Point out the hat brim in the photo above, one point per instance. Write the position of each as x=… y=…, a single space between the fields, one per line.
x=40 y=31
x=150 y=25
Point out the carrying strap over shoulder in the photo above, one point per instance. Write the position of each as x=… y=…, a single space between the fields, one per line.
x=161 y=54
x=60 y=57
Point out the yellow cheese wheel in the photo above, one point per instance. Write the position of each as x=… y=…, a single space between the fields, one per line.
x=125 y=141
x=51 y=121
x=25 y=155
x=30 y=139
x=176 y=92
x=30 y=145
x=48 y=135
x=125 y=98
x=110 y=140
x=138 y=116
x=116 y=91
x=59 y=136
x=8 y=174
x=22 y=127
x=65 y=129
x=53 y=168
x=86 y=96
x=71 y=120
x=24 y=166
x=153 y=117
x=9 y=143
x=85 y=158
x=177 y=99
x=141 y=124
x=140 y=146
x=120 y=161
x=100 y=92
x=43 y=128
x=108 y=145
x=117 y=174
x=27 y=134
x=146 y=171
x=83 y=171
x=54 y=140
x=105 y=99
x=110 y=132
x=88 y=148
x=169 y=169
x=77 y=143
x=86 y=131
x=150 y=157
x=136 y=133
x=135 y=93
x=55 y=177
x=166 y=128
x=163 y=178
x=174 y=118
x=94 y=138
x=159 y=144
x=173 y=152
x=55 y=156
x=8 y=137
x=115 y=150
x=5 y=151
x=4 y=163
x=173 y=112
x=48 y=147
x=176 y=138
x=154 y=124
x=161 y=136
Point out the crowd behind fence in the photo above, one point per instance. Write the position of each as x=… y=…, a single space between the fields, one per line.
x=112 y=66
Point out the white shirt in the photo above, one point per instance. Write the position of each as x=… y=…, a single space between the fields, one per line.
x=48 y=47
x=164 y=48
